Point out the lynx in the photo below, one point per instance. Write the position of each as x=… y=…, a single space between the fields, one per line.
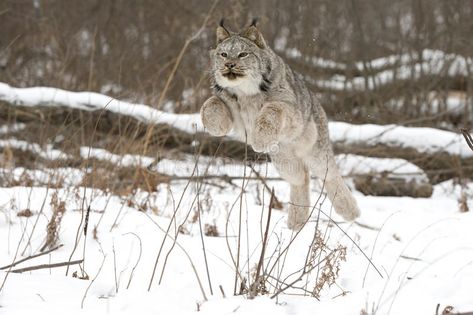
x=266 y=104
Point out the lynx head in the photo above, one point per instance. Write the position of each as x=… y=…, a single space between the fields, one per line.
x=240 y=62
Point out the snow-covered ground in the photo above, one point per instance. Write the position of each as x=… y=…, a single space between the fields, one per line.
x=421 y=247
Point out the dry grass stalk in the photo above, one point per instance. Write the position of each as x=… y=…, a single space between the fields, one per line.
x=31 y=257
x=258 y=286
x=330 y=270
x=48 y=266
x=52 y=229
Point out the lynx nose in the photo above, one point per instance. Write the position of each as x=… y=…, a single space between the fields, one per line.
x=230 y=65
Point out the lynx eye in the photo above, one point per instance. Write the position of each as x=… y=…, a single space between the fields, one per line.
x=242 y=55
x=224 y=55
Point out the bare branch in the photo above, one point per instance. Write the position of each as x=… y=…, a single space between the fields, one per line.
x=47 y=266
x=31 y=257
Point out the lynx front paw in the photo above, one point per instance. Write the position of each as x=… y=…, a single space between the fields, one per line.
x=266 y=134
x=216 y=117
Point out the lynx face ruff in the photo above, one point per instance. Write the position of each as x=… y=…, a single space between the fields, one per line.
x=268 y=105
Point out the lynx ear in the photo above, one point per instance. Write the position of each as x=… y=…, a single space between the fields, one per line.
x=222 y=33
x=253 y=34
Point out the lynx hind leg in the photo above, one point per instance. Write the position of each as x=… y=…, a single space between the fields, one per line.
x=338 y=192
x=297 y=175
x=216 y=117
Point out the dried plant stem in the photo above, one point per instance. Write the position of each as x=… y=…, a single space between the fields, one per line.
x=137 y=261
x=199 y=210
x=115 y=267
x=31 y=257
x=221 y=290
x=237 y=267
x=92 y=282
x=275 y=203
x=254 y=289
x=46 y=266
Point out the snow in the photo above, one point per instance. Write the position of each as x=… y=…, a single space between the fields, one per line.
x=91 y=101
x=47 y=153
x=351 y=164
x=422 y=139
x=421 y=246
x=37 y=177
x=127 y=160
x=11 y=128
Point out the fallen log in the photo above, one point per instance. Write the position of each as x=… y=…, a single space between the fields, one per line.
x=123 y=133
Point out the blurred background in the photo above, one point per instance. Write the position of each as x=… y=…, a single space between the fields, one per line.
x=372 y=60
x=406 y=62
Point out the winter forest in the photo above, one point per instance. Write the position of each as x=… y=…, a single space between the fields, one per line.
x=116 y=196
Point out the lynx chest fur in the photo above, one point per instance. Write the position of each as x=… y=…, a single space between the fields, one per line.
x=244 y=110
x=258 y=97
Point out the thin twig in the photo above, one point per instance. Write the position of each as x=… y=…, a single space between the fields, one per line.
x=92 y=282
x=86 y=225
x=263 y=248
x=46 y=266
x=31 y=257
x=221 y=290
x=199 y=215
x=115 y=267
x=275 y=203
x=237 y=267
x=137 y=261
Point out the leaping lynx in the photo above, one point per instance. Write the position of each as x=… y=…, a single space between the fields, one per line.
x=268 y=105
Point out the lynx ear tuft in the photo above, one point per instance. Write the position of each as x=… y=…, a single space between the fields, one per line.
x=253 y=34
x=222 y=32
